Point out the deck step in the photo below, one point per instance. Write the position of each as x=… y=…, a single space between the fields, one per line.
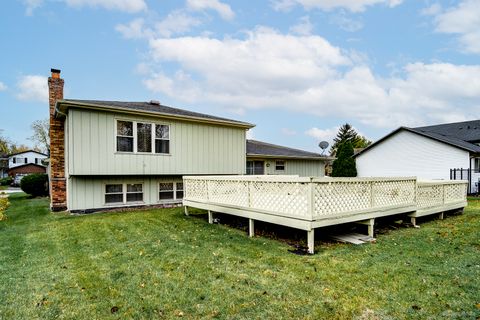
x=355 y=238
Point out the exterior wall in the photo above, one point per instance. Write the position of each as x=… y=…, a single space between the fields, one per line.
x=409 y=154
x=303 y=168
x=27 y=169
x=20 y=159
x=195 y=148
x=89 y=192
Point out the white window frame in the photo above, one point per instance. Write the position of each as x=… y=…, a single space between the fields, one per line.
x=284 y=165
x=124 y=194
x=476 y=164
x=174 y=190
x=135 y=138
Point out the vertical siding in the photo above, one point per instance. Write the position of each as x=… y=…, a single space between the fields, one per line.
x=409 y=154
x=195 y=148
x=303 y=168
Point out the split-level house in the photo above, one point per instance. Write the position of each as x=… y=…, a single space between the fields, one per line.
x=108 y=154
x=26 y=162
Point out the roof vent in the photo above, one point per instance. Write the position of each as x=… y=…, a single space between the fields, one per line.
x=155 y=102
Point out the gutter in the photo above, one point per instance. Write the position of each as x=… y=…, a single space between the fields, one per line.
x=272 y=156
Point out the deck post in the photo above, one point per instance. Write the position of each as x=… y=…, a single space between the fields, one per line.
x=186 y=210
x=311 y=241
x=371 y=227
x=210 y=217
x=251 y=228
x=413 y=221
x=440 y=216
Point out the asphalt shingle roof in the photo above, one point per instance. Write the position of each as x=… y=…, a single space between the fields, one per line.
x=466 y=130
x=255 y=147
x=153 y=108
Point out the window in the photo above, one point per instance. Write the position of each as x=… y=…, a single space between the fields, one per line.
x=476 y=166
x=25 y=160
x=162 y=136
x=36 y=160
x=143 y=137
x=279 y=165
x=170 y=191
x=121 y=193
x=114 y=193
x=134 y=192
x=124 y=136
x=14 y=160
x=255 y=167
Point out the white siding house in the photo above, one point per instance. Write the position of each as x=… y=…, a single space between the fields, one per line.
x=26 y=157
x=409 y=154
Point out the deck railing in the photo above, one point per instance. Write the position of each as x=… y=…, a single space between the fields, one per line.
x=305 y=198
x=437 y=193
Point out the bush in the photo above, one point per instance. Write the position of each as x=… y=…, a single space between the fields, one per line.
x=35 y=184
x=6 y=181
x=344 y=165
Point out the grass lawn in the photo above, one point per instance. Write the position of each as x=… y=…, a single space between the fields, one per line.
x=161 y=264
x=3 y=188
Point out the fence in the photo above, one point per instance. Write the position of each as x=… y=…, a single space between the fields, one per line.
x=471 y=175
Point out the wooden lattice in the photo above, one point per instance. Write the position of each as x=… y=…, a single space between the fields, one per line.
x=429 y=195
x=438 y=193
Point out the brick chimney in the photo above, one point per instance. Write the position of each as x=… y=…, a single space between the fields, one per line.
x=58 y=184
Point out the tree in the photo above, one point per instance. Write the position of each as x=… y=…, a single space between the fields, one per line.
x=40 y=135
x=347 y=133
x=344 y=165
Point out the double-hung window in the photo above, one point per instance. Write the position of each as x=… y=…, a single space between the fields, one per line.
x=279 y=165
x=123 y=193
x=143 y=137
x=170 y=191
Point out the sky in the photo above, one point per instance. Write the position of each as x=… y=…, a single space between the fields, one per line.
x=297 y=69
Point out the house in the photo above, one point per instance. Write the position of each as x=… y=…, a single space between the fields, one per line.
x=270 y=159
x=109 y=154
x=428 y=152
x=3 y=165
x=26 y=162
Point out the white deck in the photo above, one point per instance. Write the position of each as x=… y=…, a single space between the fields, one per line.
x=308 y=203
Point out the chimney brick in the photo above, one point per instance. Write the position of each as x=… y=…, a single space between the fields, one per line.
x=58 y=185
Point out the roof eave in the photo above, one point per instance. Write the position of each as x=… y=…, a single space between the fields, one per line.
x=273 y=156
x=62 y=106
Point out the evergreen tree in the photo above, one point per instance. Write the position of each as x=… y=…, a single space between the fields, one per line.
x=344 y=165
x=348 y=133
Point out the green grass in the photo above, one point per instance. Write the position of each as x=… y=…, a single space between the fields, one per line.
x=3 y=188
x=161 y=264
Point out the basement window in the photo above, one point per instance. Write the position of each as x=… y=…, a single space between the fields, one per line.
x=134 y=192
x=113 y=193
x=170 y=191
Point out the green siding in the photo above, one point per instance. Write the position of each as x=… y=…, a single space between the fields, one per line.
x=303 y=168
x=89 y=192
x=195 y=148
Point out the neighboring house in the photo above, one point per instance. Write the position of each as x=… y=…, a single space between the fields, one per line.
x=26 y=162
x=270 y=159
x=108 y=154
x=426 y=152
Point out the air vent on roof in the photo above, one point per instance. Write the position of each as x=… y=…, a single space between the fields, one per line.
x=155 y=102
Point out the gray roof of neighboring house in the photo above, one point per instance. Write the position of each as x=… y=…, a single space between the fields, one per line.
x=259 y=148
x=30 y=150
x=151 y=108
x=454 y=134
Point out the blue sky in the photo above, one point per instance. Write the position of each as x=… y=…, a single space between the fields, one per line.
x=296 y=68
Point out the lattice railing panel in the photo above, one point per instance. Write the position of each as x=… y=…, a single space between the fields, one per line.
x=393 y=193
x=429 y=195
x=195 y=189
x=337 y=197
x=228 y=192
x=455 y=192
x=282 y=197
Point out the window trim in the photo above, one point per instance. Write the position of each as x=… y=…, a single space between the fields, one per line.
x=174 y=190
x=284 y=165
x=135 y=146
x=124 y=194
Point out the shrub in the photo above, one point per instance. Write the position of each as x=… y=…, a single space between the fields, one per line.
x=35 y=184
x=3 y=206
x=6 y=181
x=344 y=165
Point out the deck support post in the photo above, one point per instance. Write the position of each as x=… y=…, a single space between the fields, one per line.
x=186 y=210
x=311 y=241
x=371 y=227
x=441 y=216
x=413 y=220
x=210 y=217
x=251 y=228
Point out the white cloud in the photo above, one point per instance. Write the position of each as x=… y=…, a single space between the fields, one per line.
x=346 y=23
x=33 y=88
x=463 y=20
x=328 y=5
x=136 y=29
x=322 y=134
x=130 y=6
x=432 y=10
x=307 y=74
x=304 y=27
x=3 y=87
x=224 y=10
